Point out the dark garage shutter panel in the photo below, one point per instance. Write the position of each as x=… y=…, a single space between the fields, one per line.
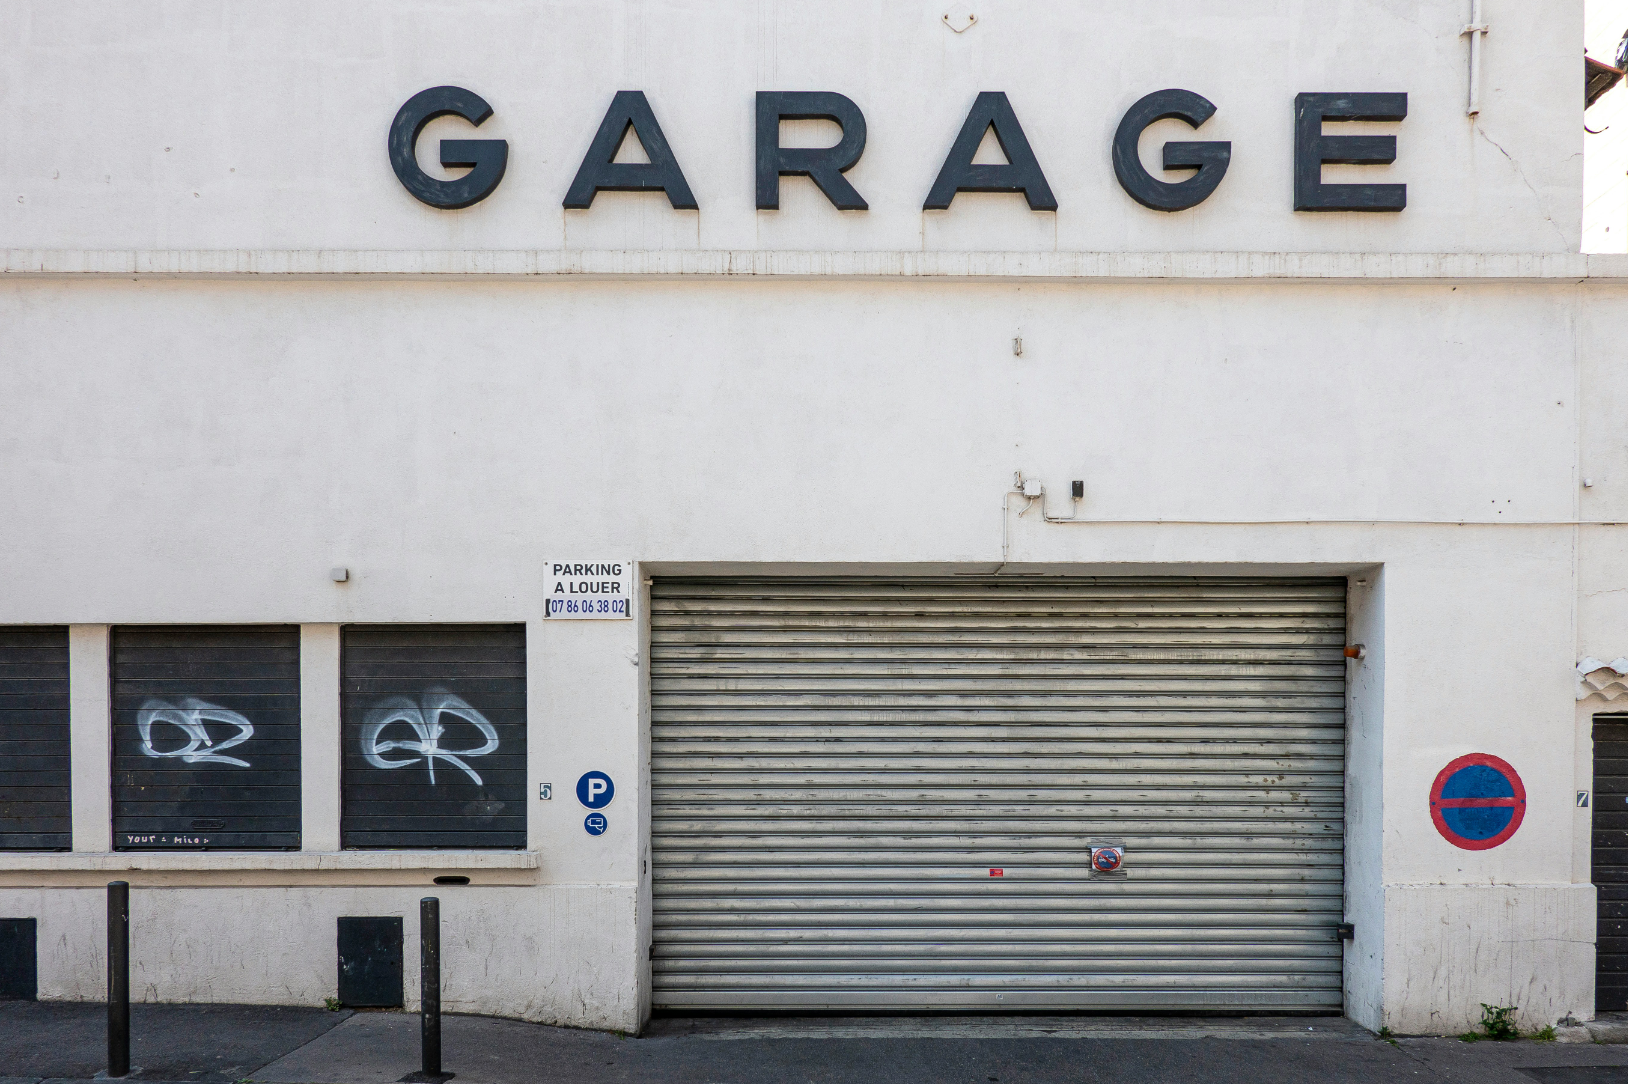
x=434 y=736
x=219 y=765
x=1610 y=862
x=34 y=773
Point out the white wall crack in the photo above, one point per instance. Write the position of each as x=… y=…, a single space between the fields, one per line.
x=1529 y=186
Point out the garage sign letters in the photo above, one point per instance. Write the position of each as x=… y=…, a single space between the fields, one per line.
x=1021 y=174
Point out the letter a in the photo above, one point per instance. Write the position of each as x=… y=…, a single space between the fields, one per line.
x=1021 y=173
x=599 y=172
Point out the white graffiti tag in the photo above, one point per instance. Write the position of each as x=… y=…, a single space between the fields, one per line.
x=426 y=723
x=189 y=717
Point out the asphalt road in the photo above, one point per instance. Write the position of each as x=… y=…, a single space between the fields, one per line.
x=219 y=1044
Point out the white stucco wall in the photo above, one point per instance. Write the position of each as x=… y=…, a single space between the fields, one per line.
x=203 y=123
x=205 y=448
x=1605 y=139
x=382 y=426
x=558 y=954
x=225 y=444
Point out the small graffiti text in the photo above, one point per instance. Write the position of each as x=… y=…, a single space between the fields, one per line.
x=190 y=717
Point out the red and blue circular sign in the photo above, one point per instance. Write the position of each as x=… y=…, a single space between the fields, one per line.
x=1477 y=802
x=1107 y=859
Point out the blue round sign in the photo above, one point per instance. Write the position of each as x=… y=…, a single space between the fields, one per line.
x=595 y=790
x=595 y=824
x=1477 y=802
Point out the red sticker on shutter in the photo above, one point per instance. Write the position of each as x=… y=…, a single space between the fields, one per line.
x=997 y=873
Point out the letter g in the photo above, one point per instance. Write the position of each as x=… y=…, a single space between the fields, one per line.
x=488 y=157
x=1210 y=159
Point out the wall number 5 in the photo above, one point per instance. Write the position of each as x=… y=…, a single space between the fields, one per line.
x=545 y=791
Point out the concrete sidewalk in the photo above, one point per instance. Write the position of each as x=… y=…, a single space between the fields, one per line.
x=220 y=1044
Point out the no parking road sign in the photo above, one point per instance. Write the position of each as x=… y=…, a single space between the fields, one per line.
x=1477 y=802
x=1107 y=859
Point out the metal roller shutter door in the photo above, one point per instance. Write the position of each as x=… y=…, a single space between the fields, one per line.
x=34 y=772
x=837 y=766
x=206 y=737
x=434 y=736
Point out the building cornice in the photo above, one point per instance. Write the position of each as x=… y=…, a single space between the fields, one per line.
x=1063 y=267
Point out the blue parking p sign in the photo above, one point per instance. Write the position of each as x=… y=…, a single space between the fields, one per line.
x=595 y=790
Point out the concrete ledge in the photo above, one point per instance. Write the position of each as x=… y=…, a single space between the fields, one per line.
x=1081 y=267
x=268 y=860
x=1610 y=1028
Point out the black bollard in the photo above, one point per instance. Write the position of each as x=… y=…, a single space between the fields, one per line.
x=118 y=979
x=429 y=985
x=429 y=996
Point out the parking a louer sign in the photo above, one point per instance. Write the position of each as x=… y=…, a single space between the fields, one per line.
x=588 y=590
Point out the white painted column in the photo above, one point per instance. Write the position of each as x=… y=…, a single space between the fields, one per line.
x=319 y=737
x=90 y=737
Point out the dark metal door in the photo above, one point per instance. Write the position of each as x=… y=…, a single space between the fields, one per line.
x=206 y=737
x=370 y=968
x=19 y=959
x=434 y=736
x=34 y=773
x=1610 y=861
